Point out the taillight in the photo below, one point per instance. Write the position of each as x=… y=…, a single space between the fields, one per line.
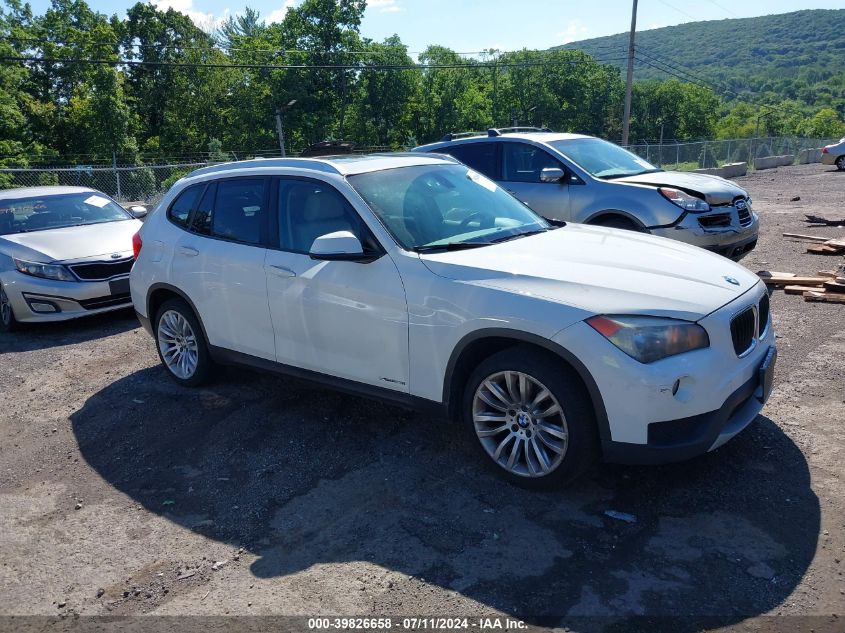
x=136 y=244
x=824 y=150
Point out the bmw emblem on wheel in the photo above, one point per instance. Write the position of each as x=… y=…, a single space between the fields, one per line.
x=731 y=280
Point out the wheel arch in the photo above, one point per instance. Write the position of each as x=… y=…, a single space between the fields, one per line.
x=606 y=214
x=158 y=293
x=481 y=344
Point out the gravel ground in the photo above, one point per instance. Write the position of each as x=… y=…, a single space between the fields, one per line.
x=124 y=494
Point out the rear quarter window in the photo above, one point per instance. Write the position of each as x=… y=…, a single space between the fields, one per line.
x=180 y=211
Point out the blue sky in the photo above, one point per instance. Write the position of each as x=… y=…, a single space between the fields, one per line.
x=472 y=25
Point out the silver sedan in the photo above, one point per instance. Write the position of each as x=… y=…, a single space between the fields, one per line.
x=65 y=252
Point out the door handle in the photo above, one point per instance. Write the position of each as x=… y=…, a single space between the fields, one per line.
x=281 y=271
x=188 y=251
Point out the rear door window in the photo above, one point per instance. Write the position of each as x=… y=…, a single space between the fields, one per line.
x=239 y=210
x=482 y=157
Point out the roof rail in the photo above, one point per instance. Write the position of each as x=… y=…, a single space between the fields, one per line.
x=266 y=162
x=493 y=131
x=451 y=136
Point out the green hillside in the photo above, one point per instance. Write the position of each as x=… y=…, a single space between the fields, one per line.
x=799 y=55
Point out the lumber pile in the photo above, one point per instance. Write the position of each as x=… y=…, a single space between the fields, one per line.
x=816 y=220
x=820 y=245
x=828 y=286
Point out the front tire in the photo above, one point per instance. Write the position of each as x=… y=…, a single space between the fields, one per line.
x=8 y=322
x=181 y=345
x=618 y=222
x=531 y=418
x=840 y=163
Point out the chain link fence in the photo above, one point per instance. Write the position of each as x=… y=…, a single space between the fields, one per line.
x=146 y=183
x=706 y=154
x=127 y=183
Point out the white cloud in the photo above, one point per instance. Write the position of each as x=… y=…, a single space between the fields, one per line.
x=575 y=30
x=279 y=14
x=385 y=6
x=206 y=21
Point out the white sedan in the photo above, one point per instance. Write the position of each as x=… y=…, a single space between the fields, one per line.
x=65 y=252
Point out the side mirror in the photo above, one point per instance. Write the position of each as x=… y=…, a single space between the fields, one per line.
x=338 y=246
x=551 y=174
x=138 y=211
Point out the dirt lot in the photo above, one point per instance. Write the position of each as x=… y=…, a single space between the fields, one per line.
x=123 y=494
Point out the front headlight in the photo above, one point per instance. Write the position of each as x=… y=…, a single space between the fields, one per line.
x=648 y=339
x=684 y=200
x=47 y=271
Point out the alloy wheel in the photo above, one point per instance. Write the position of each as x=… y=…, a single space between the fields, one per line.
x=520 y=424
x=178 y=344
x=840 y=163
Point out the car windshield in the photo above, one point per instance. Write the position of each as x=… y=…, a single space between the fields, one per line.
x=42 y=213
x=603 y=159
x=433 y=207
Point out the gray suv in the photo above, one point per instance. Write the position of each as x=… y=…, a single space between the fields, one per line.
x=592 y=181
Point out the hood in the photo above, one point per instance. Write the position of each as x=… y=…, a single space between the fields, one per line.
x=72 y=243
x=603 y=271
x=715 y=190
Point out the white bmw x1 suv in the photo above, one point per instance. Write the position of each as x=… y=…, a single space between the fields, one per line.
x=413 y=278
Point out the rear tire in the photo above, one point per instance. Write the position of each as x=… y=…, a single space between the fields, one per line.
x=8 y=322
x=840 y=163
x=531 y=418
x=181 y=344
x=618 y=222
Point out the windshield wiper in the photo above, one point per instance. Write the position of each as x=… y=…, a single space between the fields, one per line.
x=449 y=246
x=516 y=235
x=638 y=173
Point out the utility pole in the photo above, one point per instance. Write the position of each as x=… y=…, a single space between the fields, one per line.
x=280 y=125
x=626 y=118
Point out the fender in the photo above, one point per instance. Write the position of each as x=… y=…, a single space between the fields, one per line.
x=164 y=286
x=525 y=337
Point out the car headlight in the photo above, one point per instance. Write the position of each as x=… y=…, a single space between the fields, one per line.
x=47 y=271
x=648 y=339
x=684 y=200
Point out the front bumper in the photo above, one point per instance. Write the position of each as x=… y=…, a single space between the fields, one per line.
x=37 y=300
x=678 y=440
x=680 y=406
x=728 y=238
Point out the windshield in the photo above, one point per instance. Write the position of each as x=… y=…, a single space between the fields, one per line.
x=41 y=213
x=603 y=159
x=431 y=206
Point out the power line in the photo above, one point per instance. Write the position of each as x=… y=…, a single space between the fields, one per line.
x=681 y=11
x=726 y=10
x=361 y=66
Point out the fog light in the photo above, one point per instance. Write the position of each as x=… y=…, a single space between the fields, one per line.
x=42 y=307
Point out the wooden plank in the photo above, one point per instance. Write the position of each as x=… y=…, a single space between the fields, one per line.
x=834 y=286
x=836 y=242
x=827 y=273
x=795 y=281
x=824 y=249
x=764 y=274
x=800 y=290
x=824 y=297
x=809 y=238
